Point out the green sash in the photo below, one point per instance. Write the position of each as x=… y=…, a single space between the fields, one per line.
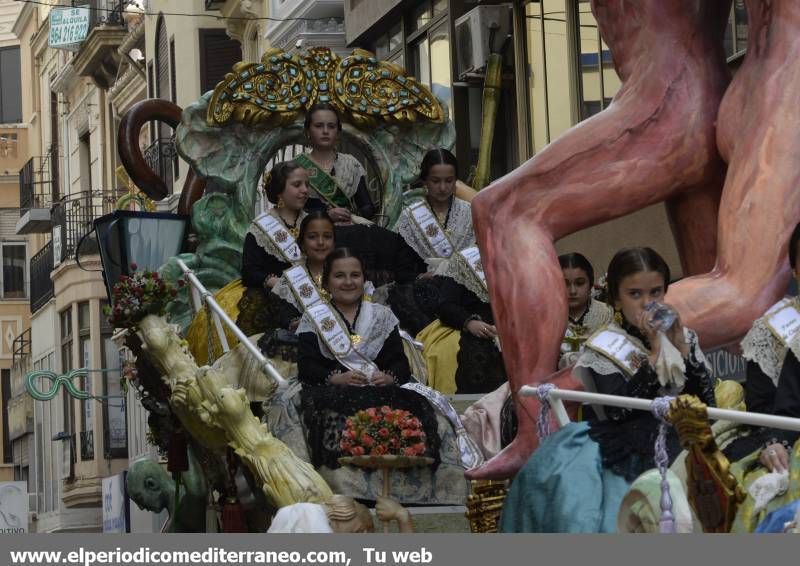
x=324 y=184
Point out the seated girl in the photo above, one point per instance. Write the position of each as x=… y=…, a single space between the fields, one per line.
x=772 y=351
x=434 y=228
x=351 y=358
x=270 y=246
x=338 y=180
x=576 y=479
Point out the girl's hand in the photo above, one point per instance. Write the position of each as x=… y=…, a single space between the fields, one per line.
x=775 y=458
x=480 y=329
x=380 y=378
x=340 y=215
x=349 y=378
x=643 y=324
x=271 y=281
x=677 y=337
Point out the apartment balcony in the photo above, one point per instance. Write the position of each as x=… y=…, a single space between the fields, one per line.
x=41 y=265
x=98 y=56
x=162 y=158
x=73 y=216
x=20 y=404
x=38 y=188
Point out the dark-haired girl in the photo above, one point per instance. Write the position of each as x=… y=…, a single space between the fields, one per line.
x=576 y=479
x=271 y=246
x=351 y=358
x=440 y=224
x=585 y=314
x=337 y=180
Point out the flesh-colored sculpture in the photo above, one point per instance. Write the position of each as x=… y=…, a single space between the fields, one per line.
x=660 y=140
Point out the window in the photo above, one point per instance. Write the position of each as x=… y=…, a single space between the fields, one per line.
x=10 y=86
x=218 y=54
x=115 y=435
x=599 y=80
x=736 y=31
x=429 y=46
x=5 y=386
x=68 y=422
x=85 y=161
x=15 y=270
x=87 y=406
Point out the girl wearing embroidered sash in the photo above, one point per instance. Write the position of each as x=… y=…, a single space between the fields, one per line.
x=338 y=180
x=772 y=351
x=331 y=390
x=433 y=228
x=301 y=285
x=576 y=479
x=270 y=246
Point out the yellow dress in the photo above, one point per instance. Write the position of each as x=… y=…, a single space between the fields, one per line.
x=441 y=346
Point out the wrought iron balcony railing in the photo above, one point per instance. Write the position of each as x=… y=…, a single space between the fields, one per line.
x=161 y=156
x=41 y=284
x=106 y=13
x=87 y=444
x=38 y=182
x=72 y=220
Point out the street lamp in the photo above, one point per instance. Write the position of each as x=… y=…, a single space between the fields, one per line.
x=147 y=239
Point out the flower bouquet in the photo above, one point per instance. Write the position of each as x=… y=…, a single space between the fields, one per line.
x=383 y=431
x=138 y=295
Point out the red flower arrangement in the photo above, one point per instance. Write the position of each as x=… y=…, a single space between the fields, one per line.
x=138 y=295
x=381 y=431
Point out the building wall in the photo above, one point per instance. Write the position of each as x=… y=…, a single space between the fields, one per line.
x=361 y=15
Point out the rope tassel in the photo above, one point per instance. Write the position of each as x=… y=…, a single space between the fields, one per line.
x=543 y=422
x=660 y=409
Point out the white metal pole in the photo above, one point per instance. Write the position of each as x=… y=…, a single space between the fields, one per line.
x=223 y=316
x=741 y=417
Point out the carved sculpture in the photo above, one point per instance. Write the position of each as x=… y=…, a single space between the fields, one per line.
x=217 y=415
x=712 y=489
x=658 y=141
x=151 y=488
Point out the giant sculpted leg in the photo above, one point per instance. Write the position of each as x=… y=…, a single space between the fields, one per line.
x=656 y=141
x=759 y=136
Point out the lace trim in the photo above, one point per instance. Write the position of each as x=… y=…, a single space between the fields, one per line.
x=760 y=345
x=374 y=325
x=603 y=365
x=459 y=228
x=457 y=269
x=599 y=315
x=264 y=241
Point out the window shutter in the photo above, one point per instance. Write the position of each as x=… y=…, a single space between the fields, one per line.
x=218 y=54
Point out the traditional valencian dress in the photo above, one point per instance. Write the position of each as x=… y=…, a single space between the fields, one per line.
x=576 y=479
x=344 y=187
x=270 y=247
x=310 y=414
x=492 y=420
x=772 y=351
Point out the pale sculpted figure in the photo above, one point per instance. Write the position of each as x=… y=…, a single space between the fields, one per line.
x=660 y=140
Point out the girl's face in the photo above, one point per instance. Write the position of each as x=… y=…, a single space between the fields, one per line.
x=636 y=290
x=323 y=130
x=345 y=282
x=317 y=240
x=579 y=287
x=440 y=183
x=295 y=191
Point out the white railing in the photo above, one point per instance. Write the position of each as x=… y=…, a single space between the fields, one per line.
x=558 y=396
x=220 y=318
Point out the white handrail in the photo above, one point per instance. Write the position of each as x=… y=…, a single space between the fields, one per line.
x=557 y=396
x=223 y=317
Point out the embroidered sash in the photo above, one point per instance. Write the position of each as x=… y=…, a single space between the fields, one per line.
x=277 y=233
x=333 y=332
x=471 y=456
x=302 y=286
x=472 y=257
x=325 y=185
x=425 y=222
x=619 y=348
x=783 y=320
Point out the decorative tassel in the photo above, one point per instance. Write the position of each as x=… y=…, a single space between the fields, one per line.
x=233 y=519
x=543 y=422
x=660 y=409
x=177 y=455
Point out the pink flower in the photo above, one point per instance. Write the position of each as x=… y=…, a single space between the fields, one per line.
x=357 y=451
x=367 y=440
x=383 y=432
x=379 y=450
x=134 y=267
